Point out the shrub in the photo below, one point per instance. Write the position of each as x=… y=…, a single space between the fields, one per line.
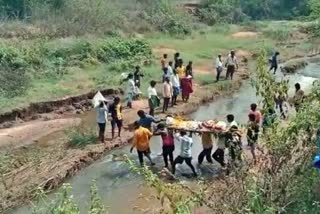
x=280 y=34
x=220 y=11
x=78 y=137
x=166 y=18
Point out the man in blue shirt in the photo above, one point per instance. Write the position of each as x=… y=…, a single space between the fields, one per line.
x=146 y=120
x=274 y=62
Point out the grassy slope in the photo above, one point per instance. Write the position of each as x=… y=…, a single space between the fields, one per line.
x=201 y=47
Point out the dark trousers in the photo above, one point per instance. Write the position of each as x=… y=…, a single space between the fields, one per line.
x=219 y=71
x=218 y=155
x=151 y=111
x=145 y=153
x=166 y=102
x=180 y=160
x=174 y=100
x=230 y=71
x=205 y=153
x=167 y=151
x=102 y=129
x=274 y=67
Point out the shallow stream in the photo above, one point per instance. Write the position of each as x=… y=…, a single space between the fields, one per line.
x=124 y=192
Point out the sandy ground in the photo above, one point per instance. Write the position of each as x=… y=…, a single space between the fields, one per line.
x=30 y=132
x=246 y=34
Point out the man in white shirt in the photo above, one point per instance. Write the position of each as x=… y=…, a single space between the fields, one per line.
x=231 y=64
x=175 y=81
x=130 y=90
x=185 y=152
x=219 y=66
x=170 y=69
x=230 y=121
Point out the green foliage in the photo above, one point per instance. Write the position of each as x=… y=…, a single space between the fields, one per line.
x=79 y=136
x=222 y=11
x=314 y=6
x=181 y=197
x=163 y=15
x=96 y=203
x=64 y=203
x=278 y=34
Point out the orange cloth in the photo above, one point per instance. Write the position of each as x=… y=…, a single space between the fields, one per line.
x=141 y=139
x=181 y=71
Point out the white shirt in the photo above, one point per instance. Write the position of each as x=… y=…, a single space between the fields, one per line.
x=232 y=61
x=175 y=81
x=131 y=86
x=233 y=123
x=186 y=145
x=218 y=63
x=152 y=92
x=170 y=71
x=101 y=114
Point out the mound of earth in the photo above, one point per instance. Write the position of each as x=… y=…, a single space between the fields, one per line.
x=246 y=34
x=159 y=51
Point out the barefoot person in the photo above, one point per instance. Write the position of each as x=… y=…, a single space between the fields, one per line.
x=153 y=100
x=231 y=64
x=252 y=134
x=175 y=87
x=102 y=110
x=167 y=143
x=185 y=152
x=164 y=61
x=219 y=66
x=254 y=110
x=130 y=90
x=274 y=62
x=137 y=76
x=115 y=112
x=207 y=144
x=167 y=93
x=186 y=88
x=298 y=97
x=141 y=140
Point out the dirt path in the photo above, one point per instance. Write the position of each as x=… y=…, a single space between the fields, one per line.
x=30 y=132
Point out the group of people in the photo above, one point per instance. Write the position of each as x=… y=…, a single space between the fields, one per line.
x=176 y=79
x=231 y=139
x=231 y=64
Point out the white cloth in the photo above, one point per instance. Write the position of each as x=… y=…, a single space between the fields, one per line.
x=170 y=71
x=152 y=92
x=97 y=99
x=232 y=61
x=233 y=123
x=186 y=145
x=131 y=86
x=218 y=63
x=175 y=81
x=102 y=114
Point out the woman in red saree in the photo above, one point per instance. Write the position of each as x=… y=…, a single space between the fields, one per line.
x=186 y=88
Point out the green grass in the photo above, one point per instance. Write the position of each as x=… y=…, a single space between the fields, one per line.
x=201 y=48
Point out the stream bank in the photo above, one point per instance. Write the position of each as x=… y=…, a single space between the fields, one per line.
x=116 y=182
x=56 y=162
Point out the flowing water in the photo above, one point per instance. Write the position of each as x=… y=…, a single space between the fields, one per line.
x=124 y=192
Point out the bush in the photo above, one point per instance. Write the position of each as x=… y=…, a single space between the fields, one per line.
x=220 y=11
x=280 y=34
x=166 y=18
x=78 y=137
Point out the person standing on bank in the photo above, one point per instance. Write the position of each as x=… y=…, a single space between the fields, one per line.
x=141 y=141
x=167 y=93
x=207 y=144
x=176 y=60
x=130 y=90
x=170 y=68
x=137 y=76
x=219 y=66
x=115 y=112
x=164 y=61
x=298 y=97
x=175 y=81
x=274 y=62
x=154 y=100
x=185 y=152
x=231 y=64
x=189 y=69
x=102 y=111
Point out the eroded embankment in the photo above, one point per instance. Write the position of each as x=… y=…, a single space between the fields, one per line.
x=60 y=106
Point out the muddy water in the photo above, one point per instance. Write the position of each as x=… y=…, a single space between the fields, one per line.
x=124 y=192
